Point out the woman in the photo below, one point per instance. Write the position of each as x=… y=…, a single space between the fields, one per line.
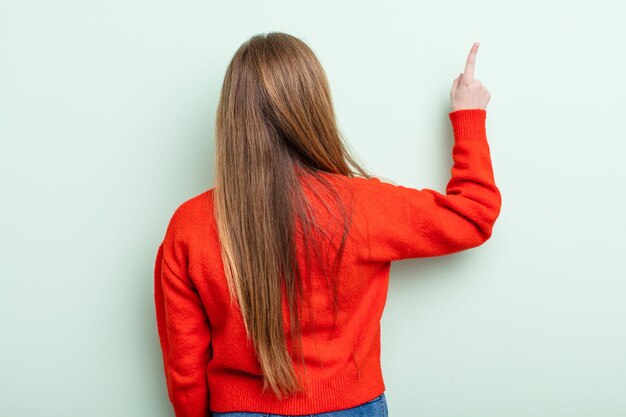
x=269 y=287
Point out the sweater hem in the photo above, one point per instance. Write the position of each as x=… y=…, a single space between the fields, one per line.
x=236 y=393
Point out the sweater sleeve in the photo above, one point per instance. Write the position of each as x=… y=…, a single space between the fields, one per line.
x=405 y=222
x=183 y=328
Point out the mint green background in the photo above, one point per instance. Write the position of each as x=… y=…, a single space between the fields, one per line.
x=106 y=125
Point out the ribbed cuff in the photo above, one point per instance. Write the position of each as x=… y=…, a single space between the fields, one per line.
x=469 y=124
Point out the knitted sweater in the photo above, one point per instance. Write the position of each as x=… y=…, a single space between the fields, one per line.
x=209 y=364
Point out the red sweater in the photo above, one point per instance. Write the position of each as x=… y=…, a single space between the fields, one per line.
x=208 y=364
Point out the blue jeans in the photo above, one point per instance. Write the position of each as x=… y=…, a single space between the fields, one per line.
x=373 y=408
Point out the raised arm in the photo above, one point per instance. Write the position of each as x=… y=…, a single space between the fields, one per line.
x=404 y=222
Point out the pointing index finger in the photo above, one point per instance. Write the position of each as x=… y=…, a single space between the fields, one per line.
x=471 y=60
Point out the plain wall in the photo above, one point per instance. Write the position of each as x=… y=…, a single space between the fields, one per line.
x=106 y=125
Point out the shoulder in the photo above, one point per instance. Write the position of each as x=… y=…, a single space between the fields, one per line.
x=191 y=213
x=373 y=185
x=358 y=181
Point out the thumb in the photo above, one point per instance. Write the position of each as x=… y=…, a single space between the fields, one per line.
x=455 y=83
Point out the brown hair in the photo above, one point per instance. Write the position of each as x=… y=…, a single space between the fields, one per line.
x=275 y=121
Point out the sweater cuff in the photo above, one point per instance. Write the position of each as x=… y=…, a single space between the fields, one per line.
x=469 y=124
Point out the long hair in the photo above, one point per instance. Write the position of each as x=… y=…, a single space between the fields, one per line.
x=275 y=125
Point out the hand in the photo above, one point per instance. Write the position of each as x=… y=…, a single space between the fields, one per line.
x=467 y=92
